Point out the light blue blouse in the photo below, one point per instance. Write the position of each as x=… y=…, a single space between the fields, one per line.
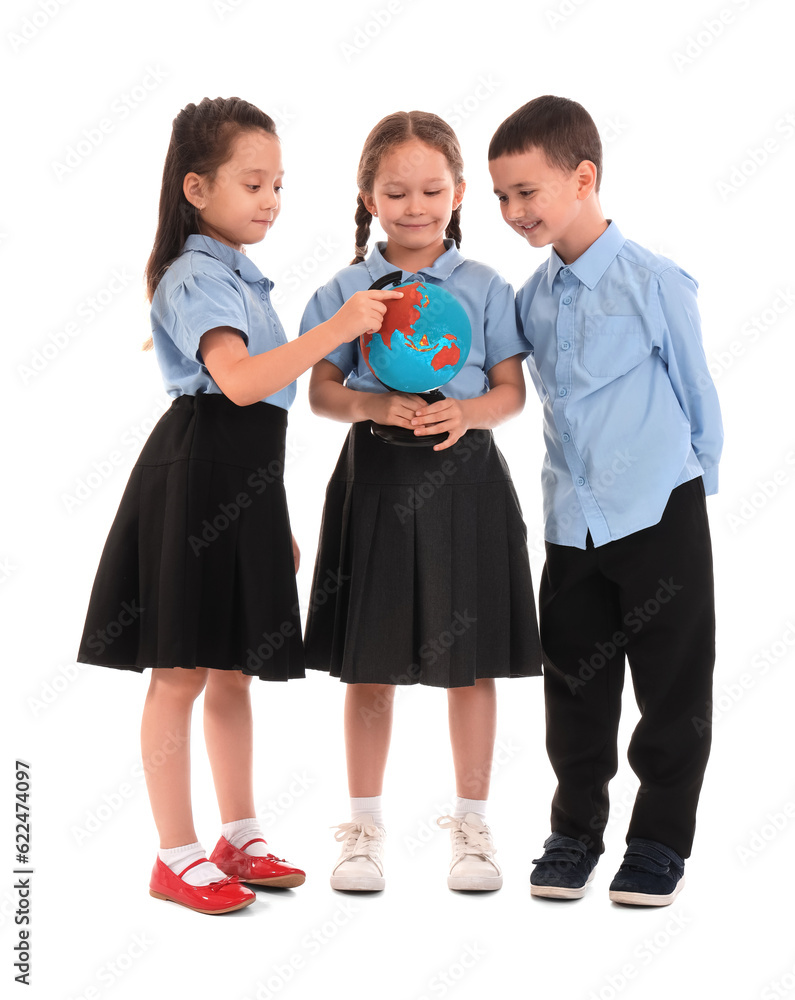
x=211 y=285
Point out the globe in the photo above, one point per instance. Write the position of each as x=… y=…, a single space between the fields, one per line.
x=423 y=342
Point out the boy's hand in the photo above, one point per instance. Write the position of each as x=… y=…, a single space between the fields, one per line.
x=447 y=415
x=362 y=313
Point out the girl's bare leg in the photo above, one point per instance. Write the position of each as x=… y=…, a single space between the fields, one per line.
x=472 y=713
x=165 y=748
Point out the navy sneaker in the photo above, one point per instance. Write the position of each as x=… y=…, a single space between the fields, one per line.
x=565 y=869
x=651 y=874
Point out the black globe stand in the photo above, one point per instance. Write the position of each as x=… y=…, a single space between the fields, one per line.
x=402 y=435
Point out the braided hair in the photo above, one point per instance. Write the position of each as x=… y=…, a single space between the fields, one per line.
x=393 y=131
x=201 y=141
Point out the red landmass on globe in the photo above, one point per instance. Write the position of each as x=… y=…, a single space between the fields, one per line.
x=399 y=312
x=445 y=356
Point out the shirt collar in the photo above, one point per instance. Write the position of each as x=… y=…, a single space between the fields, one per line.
x=233 y=259
x=441 y=268
x=591 y=265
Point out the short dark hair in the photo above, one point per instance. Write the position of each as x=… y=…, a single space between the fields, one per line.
x=561 y=128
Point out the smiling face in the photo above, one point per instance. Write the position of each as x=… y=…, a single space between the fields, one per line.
x=413 y=196
x=241 y=203
x=542 y=203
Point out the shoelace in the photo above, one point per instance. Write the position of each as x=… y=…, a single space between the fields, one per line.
x=356 y=835
x=468 y=839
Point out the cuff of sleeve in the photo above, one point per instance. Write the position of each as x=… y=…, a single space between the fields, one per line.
x=711 y=481
x=198 y=354
x=519 y=349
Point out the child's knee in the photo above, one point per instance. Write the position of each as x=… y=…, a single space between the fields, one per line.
x=178 y=683
x=228 y=680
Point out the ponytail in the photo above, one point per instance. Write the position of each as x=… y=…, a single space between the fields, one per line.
x=454 y=228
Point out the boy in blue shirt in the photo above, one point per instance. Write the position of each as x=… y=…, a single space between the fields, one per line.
x=633 y=435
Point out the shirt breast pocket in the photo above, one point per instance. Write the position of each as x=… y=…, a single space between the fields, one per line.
x=613 y=345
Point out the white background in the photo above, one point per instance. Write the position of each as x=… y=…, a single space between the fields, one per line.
x=685 y=103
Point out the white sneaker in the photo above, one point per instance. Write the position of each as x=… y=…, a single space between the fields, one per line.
x=360 y=865
x=473 y=865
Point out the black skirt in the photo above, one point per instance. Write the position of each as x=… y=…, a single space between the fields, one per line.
x=198 y=570
x=422 y=573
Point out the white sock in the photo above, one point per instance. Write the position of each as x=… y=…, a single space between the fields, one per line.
x=241 y=831
x=367 y=806
x=476 y=806
x=178 y=858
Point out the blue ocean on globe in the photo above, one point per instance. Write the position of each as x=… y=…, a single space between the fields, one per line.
x=423 y=342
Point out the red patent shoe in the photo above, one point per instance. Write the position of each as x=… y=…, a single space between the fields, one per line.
x=268 y=870
x=218 y=897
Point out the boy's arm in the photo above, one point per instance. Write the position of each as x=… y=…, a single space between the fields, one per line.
x=524 y=298
x=683 y=353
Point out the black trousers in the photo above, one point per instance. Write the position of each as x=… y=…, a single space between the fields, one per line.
x=650 y=596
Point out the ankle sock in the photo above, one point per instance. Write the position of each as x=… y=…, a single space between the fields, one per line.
x=367 y=806
x=178 y=858
x=241 y=831
x=476 y=806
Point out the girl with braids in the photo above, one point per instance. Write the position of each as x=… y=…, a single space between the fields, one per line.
x=198 y=571
x=428 y=542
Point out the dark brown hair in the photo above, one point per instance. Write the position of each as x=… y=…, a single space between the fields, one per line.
x=393 y=131
x=201 y=141
x=562 y=129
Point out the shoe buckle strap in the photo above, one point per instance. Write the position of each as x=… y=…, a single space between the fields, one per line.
x=215 y=886
x=647 y=859
x=558 y=842
x=256 y=840
x=193 y=864
x=572 y=851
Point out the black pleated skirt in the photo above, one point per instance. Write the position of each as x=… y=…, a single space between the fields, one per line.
x=422 y=573
x=198 y=570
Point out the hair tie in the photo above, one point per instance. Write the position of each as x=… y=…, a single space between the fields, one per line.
x=361 y=251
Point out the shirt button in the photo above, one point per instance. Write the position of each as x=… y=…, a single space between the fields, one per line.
x=565 y=345
x=262 y=295
x=567 y=437
x=561 y=392
x=567 y=300
x=580 y=481
x=565 y=270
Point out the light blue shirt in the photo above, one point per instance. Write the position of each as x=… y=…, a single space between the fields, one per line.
x=485 y=295
x=211 y=285
x=630 y=409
